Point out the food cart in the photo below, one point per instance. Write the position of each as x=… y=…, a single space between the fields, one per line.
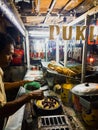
x=68 y=67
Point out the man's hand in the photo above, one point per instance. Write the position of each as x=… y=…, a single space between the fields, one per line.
x=23 y=82
x=37 y=94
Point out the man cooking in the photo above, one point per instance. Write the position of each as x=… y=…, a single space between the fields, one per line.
x=9 y=108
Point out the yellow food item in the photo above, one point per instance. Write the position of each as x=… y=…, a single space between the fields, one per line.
x=51 y=66
x=59 y=69
x=68 y=72
x=62 y=70
x=57 y=86
x=47 y=103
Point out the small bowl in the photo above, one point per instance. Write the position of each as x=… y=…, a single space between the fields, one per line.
x=32 y=86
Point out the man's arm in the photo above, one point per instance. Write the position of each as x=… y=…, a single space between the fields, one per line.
x=12 y=85
x=11 y=107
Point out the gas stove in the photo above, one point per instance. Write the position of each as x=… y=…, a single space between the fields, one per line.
x=55 y=122
x=32 y=121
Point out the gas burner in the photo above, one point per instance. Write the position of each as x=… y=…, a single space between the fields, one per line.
x=56 y=122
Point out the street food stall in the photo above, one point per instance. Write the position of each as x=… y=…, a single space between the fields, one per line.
x=62 y=108
x=60 y=45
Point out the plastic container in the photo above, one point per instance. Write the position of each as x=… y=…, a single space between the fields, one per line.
x=90 y=109
x=66 y=95
x=90 y=117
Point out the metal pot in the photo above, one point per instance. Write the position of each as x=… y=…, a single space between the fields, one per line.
x=47 y=110
x=84 y=89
